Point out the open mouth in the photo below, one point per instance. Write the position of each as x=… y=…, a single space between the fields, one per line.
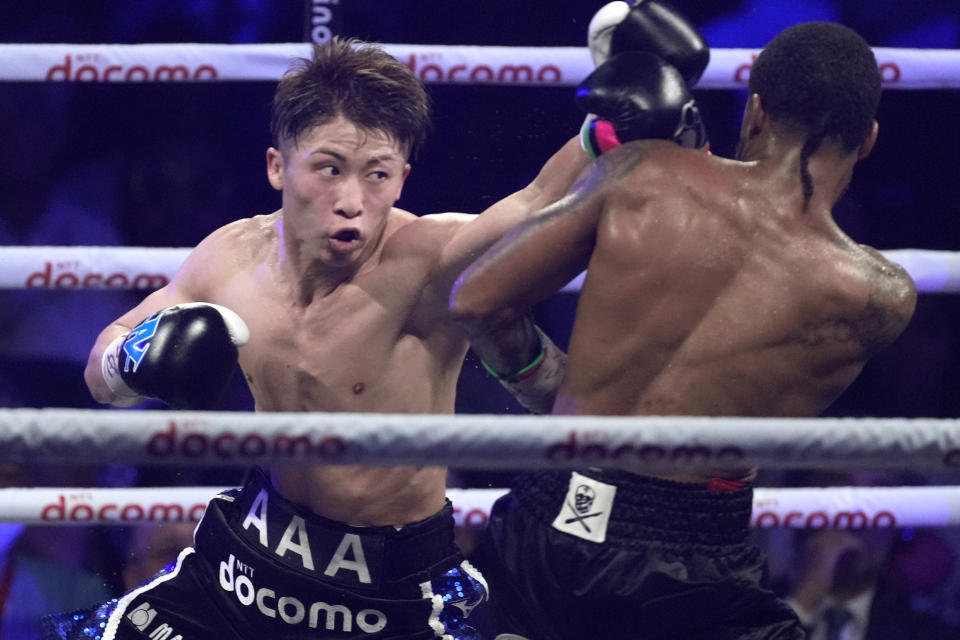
x=347 y=235
x=345 y=240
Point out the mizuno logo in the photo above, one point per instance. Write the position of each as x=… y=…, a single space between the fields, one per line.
x=138 y=341
x=142 y=617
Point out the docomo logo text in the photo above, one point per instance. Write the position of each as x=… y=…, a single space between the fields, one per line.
x=823 y=520
x=67 y=276
x=183 y=440
x=572 y=449
x=431 y=68
x=61 y=511
x=87 y=68
x=889 y=72
x=292 y=610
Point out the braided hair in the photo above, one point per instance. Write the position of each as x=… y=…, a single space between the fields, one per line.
x=819 y=79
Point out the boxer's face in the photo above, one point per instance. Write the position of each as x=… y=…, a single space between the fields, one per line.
x=339 y=183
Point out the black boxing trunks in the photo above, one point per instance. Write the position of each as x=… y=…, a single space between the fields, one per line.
x=263 y=567
x=613 y=555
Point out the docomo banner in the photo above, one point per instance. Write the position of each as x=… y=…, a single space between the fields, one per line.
x=644 y=444
x=150 y=268
x=899 y=68
x=88 y=267
x=206 y=62
x=104 y=506
x=555 y=66
x=856 y=507
x=809 y=508
x=131 y=506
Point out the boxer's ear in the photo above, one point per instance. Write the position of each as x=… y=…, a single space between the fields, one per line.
x=275 y=168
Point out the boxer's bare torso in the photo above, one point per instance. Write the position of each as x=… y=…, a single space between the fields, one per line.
x=712 y=292
x=376 y=343
x=712 y=288
x=345 y=297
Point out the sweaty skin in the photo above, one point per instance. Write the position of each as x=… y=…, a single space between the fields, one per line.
x=710 y=289
x=346 y=300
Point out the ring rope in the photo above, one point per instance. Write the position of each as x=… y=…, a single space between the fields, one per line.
x=806 y=507
x=550 y=66
x=148 y=268
x=471 y=441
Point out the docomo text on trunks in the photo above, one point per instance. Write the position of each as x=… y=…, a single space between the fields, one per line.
x=292 y=610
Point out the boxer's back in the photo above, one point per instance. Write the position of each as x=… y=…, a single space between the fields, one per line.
x=715 y=293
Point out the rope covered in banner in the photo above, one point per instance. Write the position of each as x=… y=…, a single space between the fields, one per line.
x=648 y=444
x=148 y=268
x=543 y=66
x=803 y=507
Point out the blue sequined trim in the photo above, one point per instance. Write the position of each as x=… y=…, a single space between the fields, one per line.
x=86 y=623
x=461 y=594
x=83 y=623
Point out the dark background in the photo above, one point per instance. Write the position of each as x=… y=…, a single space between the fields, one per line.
x=163 y=164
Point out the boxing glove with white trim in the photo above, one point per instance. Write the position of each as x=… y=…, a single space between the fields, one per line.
x=184 y=355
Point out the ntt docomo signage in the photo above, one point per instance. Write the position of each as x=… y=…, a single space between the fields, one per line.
x=116 y=268
x=78 y=511
x=89 y=68
x=72 y=276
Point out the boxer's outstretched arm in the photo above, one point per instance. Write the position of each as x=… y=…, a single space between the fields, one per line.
x=491 y=300
x=534 y=259
x=471 y=238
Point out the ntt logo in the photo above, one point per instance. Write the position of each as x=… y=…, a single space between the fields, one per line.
x=86 y=68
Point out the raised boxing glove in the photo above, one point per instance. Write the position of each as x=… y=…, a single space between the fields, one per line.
x=183 y=355
x=637 y=95
x=645 y=25
x=601 y=27
x=654 y=27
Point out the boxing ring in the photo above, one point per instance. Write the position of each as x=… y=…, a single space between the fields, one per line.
x=465 y=441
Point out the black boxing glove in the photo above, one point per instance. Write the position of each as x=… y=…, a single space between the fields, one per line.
x=636 y=95
x=654 y=27
x=183 y=355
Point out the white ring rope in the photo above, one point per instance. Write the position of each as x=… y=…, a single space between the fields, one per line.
x=649 y=443
x=549 y=66
x=806 y=507
x=149 y=268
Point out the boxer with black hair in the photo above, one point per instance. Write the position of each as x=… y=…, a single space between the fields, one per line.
x=713 y=287
x=335 y=303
